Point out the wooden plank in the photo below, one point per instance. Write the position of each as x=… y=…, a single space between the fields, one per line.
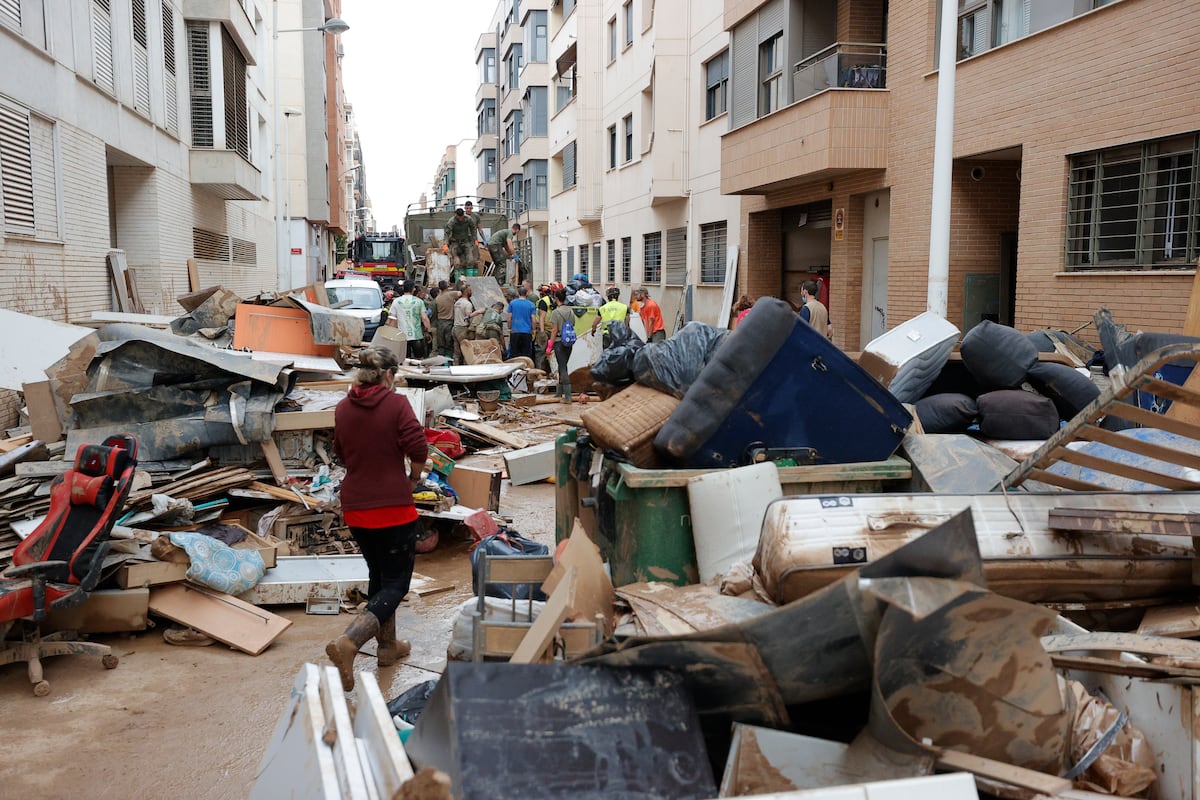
x=1147 y=523
x=219 y=616
x=42 y=469
x=286 y=495
x=554 y=613
x=1129 y=444
x=43 y=414
x=304 y=420
x=8 y=445
x=115 y=260
x=373 y=726
x=494 y=434
x=1005 y=773
x=339 y=734
x=274 y=461
x=1183 y=621
x=1148 y=419
x=136 y=318
x=193 y=272
x=135 y=298
x=1171 y=391
x=1122 y=642
x=518 y=569
x=1129 y=669
x=1099 y=464
x=1062 y=481
x=133 y=574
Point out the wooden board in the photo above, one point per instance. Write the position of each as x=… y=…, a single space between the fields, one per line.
x=494 y=434
x=43 y=414
x=554 y=613
x=593 y=594
x=193 y=275
x=275 y=461
x=219 y=616
x=1183 y=621
x=1006 y=773
x=304 y=420
x=1122 y=642
x=116 y=274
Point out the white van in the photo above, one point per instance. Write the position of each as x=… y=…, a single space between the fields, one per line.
x=361 y=297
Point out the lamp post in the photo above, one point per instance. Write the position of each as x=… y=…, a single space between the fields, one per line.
x=282 y=256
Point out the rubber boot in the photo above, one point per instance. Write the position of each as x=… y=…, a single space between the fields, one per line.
x=390 y=650
x=341 y=651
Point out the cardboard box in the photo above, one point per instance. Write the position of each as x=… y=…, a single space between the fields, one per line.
x=476 y=488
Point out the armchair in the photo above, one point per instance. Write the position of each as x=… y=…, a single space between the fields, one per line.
x=59 y=564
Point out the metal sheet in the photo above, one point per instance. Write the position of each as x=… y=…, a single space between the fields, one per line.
x=331 y=326
x=147 y=360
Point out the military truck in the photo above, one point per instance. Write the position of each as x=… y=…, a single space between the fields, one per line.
x=424 y=228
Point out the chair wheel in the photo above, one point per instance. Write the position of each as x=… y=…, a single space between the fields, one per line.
x=41 y=688
x=109 y=661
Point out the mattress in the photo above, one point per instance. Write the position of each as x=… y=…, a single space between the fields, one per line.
x=908 y=358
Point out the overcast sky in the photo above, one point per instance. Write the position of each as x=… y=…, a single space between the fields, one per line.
x=410 y=73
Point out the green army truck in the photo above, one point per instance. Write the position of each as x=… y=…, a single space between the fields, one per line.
x=424 y=229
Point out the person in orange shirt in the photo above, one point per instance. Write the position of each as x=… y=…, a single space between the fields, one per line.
x=651 y=316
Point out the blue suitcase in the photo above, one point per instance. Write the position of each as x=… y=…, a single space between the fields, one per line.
x=775 y=389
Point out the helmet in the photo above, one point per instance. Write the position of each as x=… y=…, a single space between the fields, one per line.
x=545 y=287
x=613 y=293
x=556 y=286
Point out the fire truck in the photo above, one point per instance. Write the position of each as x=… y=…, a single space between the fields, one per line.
x=379 y=256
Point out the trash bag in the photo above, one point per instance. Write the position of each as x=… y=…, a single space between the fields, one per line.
x=508 y=543
x=615 y=364
x=673 y=366
x=997 y=356
x=409 y=704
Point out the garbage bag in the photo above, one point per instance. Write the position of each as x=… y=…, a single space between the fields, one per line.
x=508 y=543
x=673 y=366
x=615 y=364
x=409 y=704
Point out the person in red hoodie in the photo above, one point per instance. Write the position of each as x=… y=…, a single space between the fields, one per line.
x=375 y=432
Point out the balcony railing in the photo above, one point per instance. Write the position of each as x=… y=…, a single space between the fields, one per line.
x=846 y=65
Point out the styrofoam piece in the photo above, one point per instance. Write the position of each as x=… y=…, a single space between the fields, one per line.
x=31 y=344
x=530 y=464
x=908 y=358
x=728 y=507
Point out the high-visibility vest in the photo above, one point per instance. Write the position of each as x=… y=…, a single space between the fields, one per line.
x=612 y=311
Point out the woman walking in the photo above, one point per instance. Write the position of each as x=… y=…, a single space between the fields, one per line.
x=374 y=432
x=560 y=318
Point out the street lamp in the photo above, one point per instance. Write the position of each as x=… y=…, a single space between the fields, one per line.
x=283 y=258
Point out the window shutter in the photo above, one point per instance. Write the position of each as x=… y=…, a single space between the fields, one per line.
x=594 y=275
x=10 y=13
x=45 y=177
x=676 y=259
x=141 y=58
x=743 y=79
x=201 y=84
x=102 y=55
x=237 y=115
x=210 y=245
x=16 y=170
x=170 y=82
x=771 y=18
x=568 y=166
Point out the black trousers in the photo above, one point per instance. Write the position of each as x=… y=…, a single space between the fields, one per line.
x=390 y=554
x=416 y=348
x=520 y=344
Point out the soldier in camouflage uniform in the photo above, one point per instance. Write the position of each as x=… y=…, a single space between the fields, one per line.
x=460 y=239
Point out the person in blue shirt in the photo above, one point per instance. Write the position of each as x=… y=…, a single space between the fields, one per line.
x=520 y=325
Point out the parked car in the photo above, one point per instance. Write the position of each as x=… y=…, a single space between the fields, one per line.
x=361 y=297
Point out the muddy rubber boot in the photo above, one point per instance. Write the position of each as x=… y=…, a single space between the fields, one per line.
x=390 y=650
x=341 y=651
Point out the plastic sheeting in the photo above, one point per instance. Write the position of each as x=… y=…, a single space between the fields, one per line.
x=673 y=366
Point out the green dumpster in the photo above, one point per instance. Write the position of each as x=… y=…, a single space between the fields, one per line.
x=649 y=537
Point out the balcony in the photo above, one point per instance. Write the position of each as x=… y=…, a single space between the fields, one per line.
x=836 y=124
x=231 y=14
x=225 y=173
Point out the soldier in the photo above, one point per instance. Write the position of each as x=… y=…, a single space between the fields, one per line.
x=501 y=246
x=460 y=240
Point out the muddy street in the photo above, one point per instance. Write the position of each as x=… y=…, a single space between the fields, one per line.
x=193 y=721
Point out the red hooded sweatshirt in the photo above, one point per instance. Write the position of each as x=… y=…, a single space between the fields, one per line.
x=374 y=429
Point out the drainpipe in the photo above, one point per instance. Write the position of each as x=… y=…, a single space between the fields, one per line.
x=943 y=164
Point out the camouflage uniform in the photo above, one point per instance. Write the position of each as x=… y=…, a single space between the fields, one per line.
x=460 y=236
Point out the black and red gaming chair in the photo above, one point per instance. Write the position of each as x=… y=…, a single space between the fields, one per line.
x=59 y=563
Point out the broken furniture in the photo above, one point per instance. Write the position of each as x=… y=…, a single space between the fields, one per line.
x=908 y=358
x=60 y=562
x=522 y=576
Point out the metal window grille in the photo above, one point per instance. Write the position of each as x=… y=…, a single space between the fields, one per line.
x=200 y=84
x=170 y=81
x=627 y=259
x=10 y=13
x=237 y=110
x=652 y=257
x=102 y=49
x=712 y=252
x=16 y=171
x=558 y=266
x=244 y=251
x=210 y=245
x=1136 y=206
x=583 y=260
x=612 y=260
x=676 y=257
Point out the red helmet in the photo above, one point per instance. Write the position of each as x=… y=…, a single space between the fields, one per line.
x=556 y=286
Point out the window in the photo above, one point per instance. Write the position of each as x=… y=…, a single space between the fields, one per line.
x=487 y=166
x=487 y=65
x=627 y=259
x=486 y=122
x=652 y=257
x=536 y=35
x=564 y=89
x=583 y=259
x=1010 y=20
x=716 y=82
x=513 y=134
x=594 y=277
x=514 y=62
x=536 y=187
x=568 y=165
x=770 y=75
x=628 y=138
x=983 y=24
x=675 y=259
x=10 y=13
x=102 y=44
x=570 y=262
x=612 y=261
x=514 y=12
x=533 y=107
x=712 y=252
x=170 y=82
x=237 y=109
x=568 y=7
x=627 y=13
x=612 y=40
x=1134 y=206
x=558 y=266
x=200 y=84
x=612 y=146
x=28 y=174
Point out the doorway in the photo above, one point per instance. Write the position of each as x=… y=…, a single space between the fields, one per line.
x=879 y=288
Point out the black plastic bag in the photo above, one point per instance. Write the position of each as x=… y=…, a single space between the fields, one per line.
x=673 y=366
x=509 y=543
x=615 y=364
x=409 y=705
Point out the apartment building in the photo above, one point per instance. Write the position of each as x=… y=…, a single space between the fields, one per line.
x=139 y=125
x=454 y=178
x=1075 y=144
